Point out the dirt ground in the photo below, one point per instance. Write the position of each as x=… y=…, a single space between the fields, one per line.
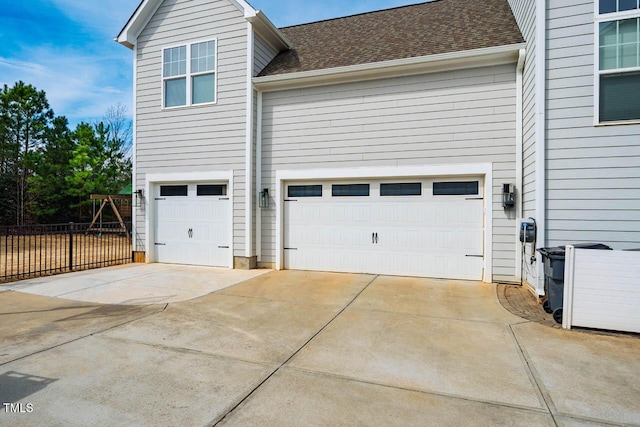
x=23 y=257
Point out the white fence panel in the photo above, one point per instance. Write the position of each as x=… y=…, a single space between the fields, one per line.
x=602 y=289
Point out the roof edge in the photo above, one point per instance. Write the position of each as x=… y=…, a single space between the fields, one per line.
x=494 y=55
x=147 y=8
x=263 y=25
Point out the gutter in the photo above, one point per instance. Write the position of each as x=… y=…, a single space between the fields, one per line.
x=541 y=173
x=398 y=67
x=522 y=54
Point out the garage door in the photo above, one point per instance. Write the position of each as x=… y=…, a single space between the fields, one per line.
x=193 y=224
x=414 y=227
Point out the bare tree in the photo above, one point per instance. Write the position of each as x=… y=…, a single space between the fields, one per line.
x=120 y=129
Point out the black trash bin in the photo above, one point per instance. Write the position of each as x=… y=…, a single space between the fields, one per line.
x=553 y=259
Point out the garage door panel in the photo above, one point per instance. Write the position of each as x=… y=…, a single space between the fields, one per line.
x=420 y=235
x=193 y=229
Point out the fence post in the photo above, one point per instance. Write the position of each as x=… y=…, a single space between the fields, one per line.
x=70 y=246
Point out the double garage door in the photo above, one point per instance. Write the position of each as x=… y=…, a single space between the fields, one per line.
x=415 y=227
x=193 y=224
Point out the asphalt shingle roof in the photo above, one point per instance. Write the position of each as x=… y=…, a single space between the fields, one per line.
x=430 y=28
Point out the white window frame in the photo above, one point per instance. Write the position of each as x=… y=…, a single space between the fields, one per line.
x=188 y=76
x=599 y=18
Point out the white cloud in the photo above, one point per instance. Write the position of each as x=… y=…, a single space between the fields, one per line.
x=78 y=84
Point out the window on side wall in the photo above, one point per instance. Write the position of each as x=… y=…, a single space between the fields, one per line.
x=189 y=74
x=618 y=67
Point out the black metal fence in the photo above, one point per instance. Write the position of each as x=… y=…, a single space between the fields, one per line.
x=41 y=250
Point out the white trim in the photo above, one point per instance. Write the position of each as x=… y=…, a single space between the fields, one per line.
x=134 y=26
x=470 y=169
x=189 y=75
x=541 y=83
x=248 y=191
x=259 y=179
x=398 y=67
x=519 y=162
x=567 y=295
x=154 y=179
x=146 y=10
x=599 y=18
x=134 y=160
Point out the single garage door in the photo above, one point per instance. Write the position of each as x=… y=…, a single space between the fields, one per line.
x=414 y=227
x=193 y=224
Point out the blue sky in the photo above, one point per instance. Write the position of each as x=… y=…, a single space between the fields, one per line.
x=66 y=47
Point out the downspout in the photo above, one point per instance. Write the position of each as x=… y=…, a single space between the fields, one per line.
x=541 y=86
x=522 y=53
x=259 y=178
x=248 y=188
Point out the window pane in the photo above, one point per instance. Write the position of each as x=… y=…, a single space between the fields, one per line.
x=173 y=190
x=404 y=189
x=339 y=190
x=608 y=33
x=629 y=55
x=304 y=191
x=608 y=6
x=175 y=92
x=608 y=58
x=619 y=98
x=455 y=188
x=212 y=190
x=175 y=62
x=628 y=31
x=203 y=88
x=627 y=5
x=203 y=57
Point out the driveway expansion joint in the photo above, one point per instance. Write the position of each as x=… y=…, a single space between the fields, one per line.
x=427 y=392
x=537 y=381
x=78 y=338
x=221 y=418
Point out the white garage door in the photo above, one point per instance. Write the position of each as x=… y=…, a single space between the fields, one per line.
x=193 y=224
x=414 y=227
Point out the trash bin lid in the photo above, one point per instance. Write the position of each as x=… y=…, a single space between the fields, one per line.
x=553 y=252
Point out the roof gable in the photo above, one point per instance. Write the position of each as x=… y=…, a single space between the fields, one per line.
x=147 y=8
x=432 y=28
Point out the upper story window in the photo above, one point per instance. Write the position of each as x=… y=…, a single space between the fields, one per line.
x=189 y=74
x=618 y=72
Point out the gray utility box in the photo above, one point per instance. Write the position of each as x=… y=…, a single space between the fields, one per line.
x=553 y=259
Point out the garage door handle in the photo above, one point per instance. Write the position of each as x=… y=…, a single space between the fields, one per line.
x=376 y=238
x=373 y=237
x=191 y=233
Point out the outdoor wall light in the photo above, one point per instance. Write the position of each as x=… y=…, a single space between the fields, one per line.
x=508 y=196
x=264 y=198
x=139 y=197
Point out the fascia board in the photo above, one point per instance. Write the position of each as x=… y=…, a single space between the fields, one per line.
x=269 y=31
x=400 y=67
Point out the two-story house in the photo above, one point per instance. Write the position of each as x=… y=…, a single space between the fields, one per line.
x=408 y=141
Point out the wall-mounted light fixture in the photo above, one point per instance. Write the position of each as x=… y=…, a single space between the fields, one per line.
x=264 y=198
x=508 y=196
x=139 y=196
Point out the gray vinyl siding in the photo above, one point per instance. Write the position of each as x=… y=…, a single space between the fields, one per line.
x=593 y=172
x=263 y=54
x=465 y=116
x=525 y=13
x=200 y=138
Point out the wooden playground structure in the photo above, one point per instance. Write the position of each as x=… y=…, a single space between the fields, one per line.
x=121 y=206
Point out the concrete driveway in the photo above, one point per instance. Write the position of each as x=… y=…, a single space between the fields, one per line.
x=302 y=348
